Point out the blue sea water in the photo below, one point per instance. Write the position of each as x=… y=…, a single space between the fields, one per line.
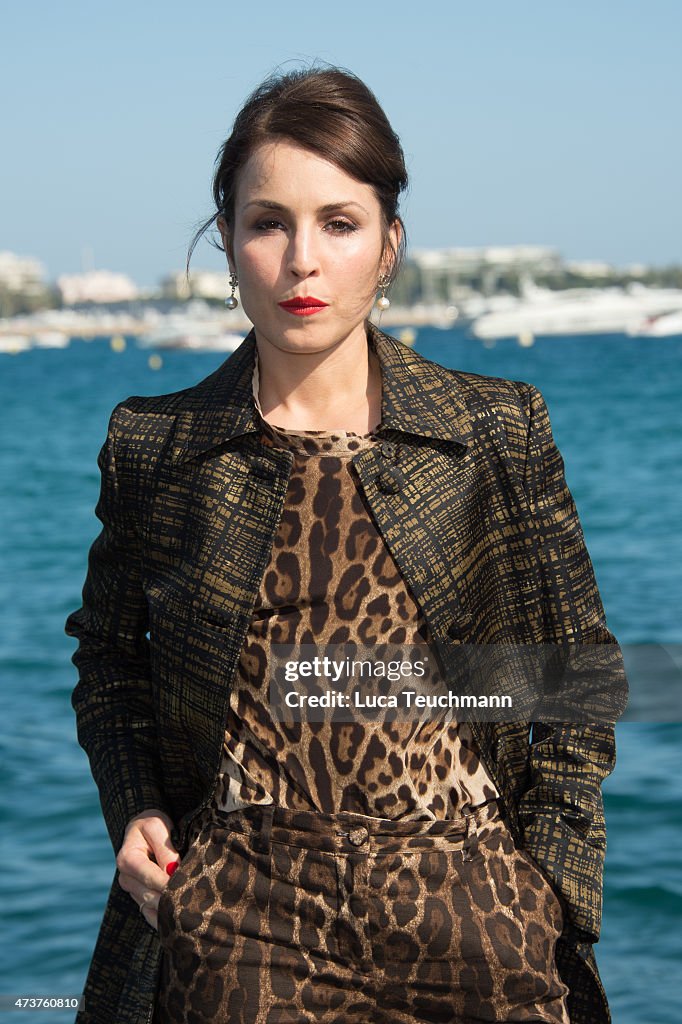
x=616 y=413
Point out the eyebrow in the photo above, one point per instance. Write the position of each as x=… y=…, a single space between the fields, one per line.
x=327 y=208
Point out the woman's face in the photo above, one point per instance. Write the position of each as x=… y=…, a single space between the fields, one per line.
x=304 y=228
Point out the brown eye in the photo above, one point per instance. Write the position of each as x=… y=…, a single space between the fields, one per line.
x=268 y=225
x=342 y=226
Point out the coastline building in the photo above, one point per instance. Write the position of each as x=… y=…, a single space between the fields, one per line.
x=202 y=284
x=99 y=286
x=22 y=274
x=23 y=285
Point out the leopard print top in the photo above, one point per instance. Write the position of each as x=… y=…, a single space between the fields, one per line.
x=332 y=580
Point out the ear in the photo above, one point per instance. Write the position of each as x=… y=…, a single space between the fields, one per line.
x=224 y=230
x=395 y=234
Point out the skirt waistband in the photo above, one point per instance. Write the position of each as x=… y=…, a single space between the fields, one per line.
x=344 y=831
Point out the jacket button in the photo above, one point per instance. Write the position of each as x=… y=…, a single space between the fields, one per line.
x=388 y=481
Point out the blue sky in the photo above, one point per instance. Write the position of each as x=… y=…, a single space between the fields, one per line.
x=522 y=122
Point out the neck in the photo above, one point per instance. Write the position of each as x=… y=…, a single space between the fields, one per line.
x=338 y=388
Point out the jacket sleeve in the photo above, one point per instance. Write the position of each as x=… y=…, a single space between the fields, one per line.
x=561 y=810
x=112 y=699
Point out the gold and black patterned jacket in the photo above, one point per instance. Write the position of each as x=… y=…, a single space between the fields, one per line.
x=485 y=532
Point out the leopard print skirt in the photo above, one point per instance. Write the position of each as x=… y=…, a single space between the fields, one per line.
x=277 y=915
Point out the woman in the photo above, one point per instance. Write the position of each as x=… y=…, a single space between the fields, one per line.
x=326 y=486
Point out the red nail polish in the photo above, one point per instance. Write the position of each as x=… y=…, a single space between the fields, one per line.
x=170 y=868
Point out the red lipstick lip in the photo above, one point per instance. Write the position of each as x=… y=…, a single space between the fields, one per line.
x=303 y=302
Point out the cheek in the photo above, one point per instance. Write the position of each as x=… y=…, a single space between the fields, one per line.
x=260 y=263
x=355 y=264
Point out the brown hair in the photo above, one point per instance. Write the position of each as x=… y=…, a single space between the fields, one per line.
x=328 y=111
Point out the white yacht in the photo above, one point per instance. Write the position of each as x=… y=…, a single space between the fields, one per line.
x=542 y=311
x=661 y=325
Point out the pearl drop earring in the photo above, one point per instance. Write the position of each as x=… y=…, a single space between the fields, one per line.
x=383 y=303
x=231 y=302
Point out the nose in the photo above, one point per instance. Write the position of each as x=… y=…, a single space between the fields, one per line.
x=302 y=257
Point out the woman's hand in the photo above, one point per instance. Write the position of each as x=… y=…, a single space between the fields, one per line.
x=142 y=861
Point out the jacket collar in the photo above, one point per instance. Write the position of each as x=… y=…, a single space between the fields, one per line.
x=419 y=397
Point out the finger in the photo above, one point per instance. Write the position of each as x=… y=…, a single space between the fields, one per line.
x=149 y=899
x=158 y=835
x=149 y=839
x=151 y=916
x=140 y=893
x=135 y=868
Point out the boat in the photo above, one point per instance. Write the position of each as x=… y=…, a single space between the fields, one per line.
x=196 y=337
x=50 y=339
x=12 y=344
x=223 y=341
x=661 y=325
x=542 y=311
